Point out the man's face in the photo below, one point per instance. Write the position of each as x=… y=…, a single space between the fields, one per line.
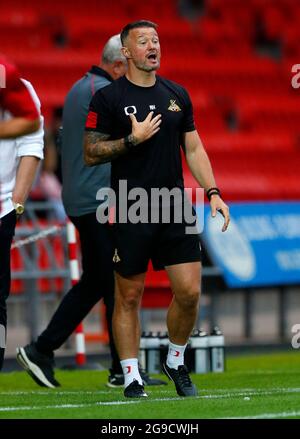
x=144 y=48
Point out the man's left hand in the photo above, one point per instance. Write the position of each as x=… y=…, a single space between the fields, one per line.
x=218 y=205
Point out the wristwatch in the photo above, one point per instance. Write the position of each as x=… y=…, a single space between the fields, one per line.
x=19 y=208
x=128 y=143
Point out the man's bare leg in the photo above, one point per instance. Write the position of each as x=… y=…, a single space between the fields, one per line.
x=126 y=323
x=182 y=314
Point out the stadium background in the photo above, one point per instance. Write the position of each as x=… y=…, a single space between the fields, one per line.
x=236 y=59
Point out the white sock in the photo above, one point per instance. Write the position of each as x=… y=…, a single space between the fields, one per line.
x=131 y=371
x=175 y=356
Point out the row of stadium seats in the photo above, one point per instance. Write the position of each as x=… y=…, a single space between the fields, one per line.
x=255 y=175
x=243 y=101
x=219 y=28
x=277 y=143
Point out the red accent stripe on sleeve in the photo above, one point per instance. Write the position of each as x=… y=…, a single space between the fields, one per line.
x=91 y=121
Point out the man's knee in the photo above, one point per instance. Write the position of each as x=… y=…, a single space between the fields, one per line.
x=189 y=298
x=130 y=298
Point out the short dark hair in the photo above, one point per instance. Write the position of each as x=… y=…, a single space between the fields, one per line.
x=135 y=25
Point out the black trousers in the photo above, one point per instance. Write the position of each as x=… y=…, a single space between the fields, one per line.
x=7 y=231
x=97 y=282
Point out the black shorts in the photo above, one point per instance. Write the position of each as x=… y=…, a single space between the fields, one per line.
x=163 y=244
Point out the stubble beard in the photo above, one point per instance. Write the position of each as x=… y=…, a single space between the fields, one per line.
x=146 y=68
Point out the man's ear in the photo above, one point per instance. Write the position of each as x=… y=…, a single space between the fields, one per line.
x=126 y=52
x=118 y=67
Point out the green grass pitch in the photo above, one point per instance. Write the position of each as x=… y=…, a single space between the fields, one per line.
x=253 y=386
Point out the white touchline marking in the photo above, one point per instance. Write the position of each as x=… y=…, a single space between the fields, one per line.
x=108 y=403
x=64 y=406
x=114 y=391
x=250 y=393
x=267 y=416
x=254 y=372
x=55 y=393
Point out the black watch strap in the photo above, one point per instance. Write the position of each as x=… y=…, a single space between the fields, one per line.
x=213 y=191
x=128 y=143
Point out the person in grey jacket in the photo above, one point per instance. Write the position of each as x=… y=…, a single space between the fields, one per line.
x=80 y=185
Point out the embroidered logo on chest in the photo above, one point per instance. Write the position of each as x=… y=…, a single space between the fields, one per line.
x=173 y=106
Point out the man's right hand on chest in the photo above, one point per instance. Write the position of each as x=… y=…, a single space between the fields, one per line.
x=142 y=131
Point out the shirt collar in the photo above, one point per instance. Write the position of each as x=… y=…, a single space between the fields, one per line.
x=95 y=70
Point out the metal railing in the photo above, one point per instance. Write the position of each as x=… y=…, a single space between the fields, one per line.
x=39 y=225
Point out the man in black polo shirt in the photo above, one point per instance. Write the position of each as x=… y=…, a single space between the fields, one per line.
x=80 y=186
x=147 y=119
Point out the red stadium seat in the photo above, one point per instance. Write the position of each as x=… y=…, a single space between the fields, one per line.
x=157 y=293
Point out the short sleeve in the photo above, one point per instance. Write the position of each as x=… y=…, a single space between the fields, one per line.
x=99 y=115
x=188 y=123
x=16 y=97
x=32 y=144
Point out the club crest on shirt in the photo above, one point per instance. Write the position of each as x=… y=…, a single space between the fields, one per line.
x=173 y=106
x=116 y=257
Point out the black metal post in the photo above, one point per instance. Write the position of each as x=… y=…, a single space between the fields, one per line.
x=248 y=312
x=282 y=311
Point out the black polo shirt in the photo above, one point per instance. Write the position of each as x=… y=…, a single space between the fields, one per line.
x=155 y=163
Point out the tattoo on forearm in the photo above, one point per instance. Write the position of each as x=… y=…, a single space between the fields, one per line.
x=97 y=149
x=133 y=139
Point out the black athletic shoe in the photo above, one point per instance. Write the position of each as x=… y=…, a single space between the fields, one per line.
x=39 y=366
x=181 y=379
x=148 y=381
x=115 y=379
x=135 y=390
